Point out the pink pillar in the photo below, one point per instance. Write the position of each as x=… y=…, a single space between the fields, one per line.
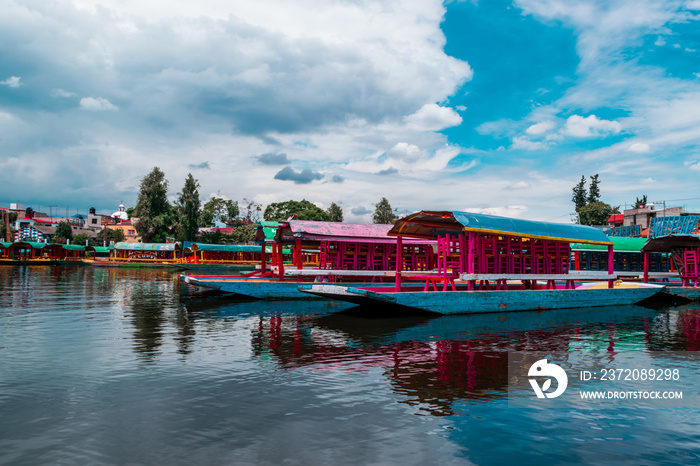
x=611 y=265
x=646 y=266
x=471 y=260
x=399 y=262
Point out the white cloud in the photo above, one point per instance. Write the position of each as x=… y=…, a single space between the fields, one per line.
x=591 y=126
x=524 y=143
x=405 y=151
x=12 y=81
x=639 y=147
x=62 y=94
x=693 y=165
x=648 y=180
x=97 y=104
x=660 y=42
x=518 y=185
x=432 y=117
x=540 y=128
x=503 y=211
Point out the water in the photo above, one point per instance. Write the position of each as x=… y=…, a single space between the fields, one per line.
x=108 y=366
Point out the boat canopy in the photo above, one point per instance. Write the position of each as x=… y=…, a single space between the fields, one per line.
x=147 y=246
x=336 y=231
x=620 y=244
x=674 y=241
x=5 y=245
x=73 y=247
x=28 y=244
x=431 y=224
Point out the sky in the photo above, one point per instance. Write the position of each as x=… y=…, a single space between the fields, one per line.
x=488 y=106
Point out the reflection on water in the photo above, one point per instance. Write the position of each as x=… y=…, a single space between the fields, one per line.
x=95 y=359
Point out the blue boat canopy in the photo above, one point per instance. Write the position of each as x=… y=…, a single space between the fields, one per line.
x=431 y=224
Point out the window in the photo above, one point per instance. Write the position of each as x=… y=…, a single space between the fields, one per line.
x=94 y=221
x=132 y=232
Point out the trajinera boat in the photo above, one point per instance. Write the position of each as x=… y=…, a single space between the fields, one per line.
x=487 y=263
x=330 y=252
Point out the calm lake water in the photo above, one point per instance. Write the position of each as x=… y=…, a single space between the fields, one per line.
x=108 y=366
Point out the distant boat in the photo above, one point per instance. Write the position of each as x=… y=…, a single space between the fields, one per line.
x=494 y=264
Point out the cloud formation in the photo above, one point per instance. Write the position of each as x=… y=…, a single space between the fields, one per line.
x=12 y=81
x=97 y=104
x=272 y=159
x=305 y=176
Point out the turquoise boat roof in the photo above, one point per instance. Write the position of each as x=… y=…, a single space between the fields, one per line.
x=29 y=244
x=620 y=244
x=5 y=245
x=431 y=224
x=228 y=247
x=147 y=246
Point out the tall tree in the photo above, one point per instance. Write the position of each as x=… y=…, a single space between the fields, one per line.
x=252 y=210
x=335 y=212
x=304 y=210
x=218 y=209
x=640 y=202
x=188 y=209
x=594 y=190
x=580 y=196
x=152 y=208
x=383 y=212
x=8 y=218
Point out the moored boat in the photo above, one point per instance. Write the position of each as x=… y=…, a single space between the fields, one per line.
x=495 y=264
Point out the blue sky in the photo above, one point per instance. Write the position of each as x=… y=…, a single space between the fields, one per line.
x=490 y=106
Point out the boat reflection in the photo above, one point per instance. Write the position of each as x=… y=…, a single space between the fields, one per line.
x=432 y=363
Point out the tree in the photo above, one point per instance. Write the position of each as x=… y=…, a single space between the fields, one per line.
x=188 y=209
x=243 y=232
x=64 y=230
x=335 y=212
x=580 y=196
x=4 y=225
x=212 y=237
x=597 y=213
x=218 y=209
x=594 y=190
x=640 y=202
x=383 y=212
x=252 y=210
x=304 y=210
x=152 y=208
x=81 y=239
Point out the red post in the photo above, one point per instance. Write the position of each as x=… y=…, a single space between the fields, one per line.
x=298 y=256
x=280 y=260
x=262 y=259
x=399 y=262
x=611 y=265
x=646 y=266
